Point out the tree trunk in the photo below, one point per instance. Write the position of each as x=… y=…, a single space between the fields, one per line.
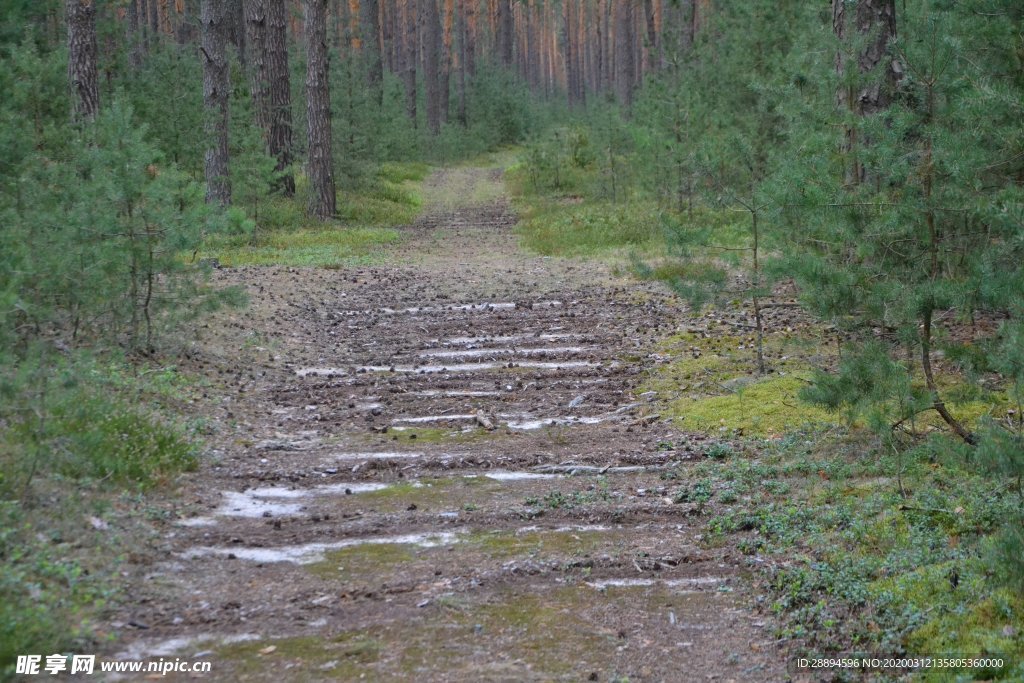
x=236 y=28
x=410 y=50
x=469 y=9
x=462 y=31
x=279 y=94
x=432 y=63
x=624 y=67
x=504 y=33
x=373 y=49
x=322 y=199
x=259 y=79
x=215 y=99
x=83 y=73
x=447 y=23
x=875 y=21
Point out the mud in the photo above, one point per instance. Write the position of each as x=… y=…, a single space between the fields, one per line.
x=360 y=521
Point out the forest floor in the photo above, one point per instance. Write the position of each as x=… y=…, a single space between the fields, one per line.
x=442 y=467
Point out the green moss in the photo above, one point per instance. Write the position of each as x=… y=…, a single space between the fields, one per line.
x=768 y=406
x=965 y=619
x=317 y=247
x=343 y=657
x=548 y=544
x=565 y=228
x=363 y=561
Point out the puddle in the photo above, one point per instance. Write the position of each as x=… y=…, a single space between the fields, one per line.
x=475 y=353
x=379 y=455
x=518 y=476
x=533 y=528
x=252 y=503
x=433 y=418
x=165 y=648
x=459 y=367
x=507 y=338
x=473 y=308
x=249 y=504
x=526 y=425
x=691 y=583
x=314 y=552
x=455 y=394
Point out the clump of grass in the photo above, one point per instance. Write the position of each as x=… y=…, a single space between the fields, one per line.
x=323 y=247
x=282 y=234
x=891 y=553
x=72 y=440
x=567 y=228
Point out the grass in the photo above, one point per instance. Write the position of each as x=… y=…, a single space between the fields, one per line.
x=281 y=233
x=70 y=486
x=567 y=228
x=855 y=566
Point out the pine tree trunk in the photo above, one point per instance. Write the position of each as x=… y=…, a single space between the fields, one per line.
x=469 y=10
x=432 y=63
x=83 y=74
x=279 y=94
x=504 y=33
x=215 y=99
x=410 y=54
x=875 y=20
x=373 y=49
x=236 y=29
x=322 y=199
x=447 y=23
x=462 y=31
x=259 y=78
x=624 y=67
x=134 y=39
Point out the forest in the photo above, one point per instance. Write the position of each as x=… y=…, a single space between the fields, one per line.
x=513 y=339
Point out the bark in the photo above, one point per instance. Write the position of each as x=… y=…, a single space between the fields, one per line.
x=469 y=10
x=373 y=49
x=624 y=67
x=213 y=18
x=432 y=63
x=447 y=24
x=876 y=20
x=279 y=142
x=236 y=28
x=259 y=77
x=410 y=50
x=134 y=41
x=652 y=34
x=322 y=199
x=865 y=96
x=462 y=31
x=505 y=33
x=83 y=73
x=569 y=36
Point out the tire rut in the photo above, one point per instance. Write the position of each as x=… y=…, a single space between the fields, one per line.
x=442 y=468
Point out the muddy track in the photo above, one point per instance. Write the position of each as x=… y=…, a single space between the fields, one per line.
x=442 y=468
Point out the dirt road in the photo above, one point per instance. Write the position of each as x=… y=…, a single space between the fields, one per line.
x=442 y=469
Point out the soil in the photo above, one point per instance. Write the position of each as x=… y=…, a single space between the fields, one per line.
x=439 y=468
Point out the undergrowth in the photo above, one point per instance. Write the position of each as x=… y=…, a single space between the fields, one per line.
x=280 y=233
x=881 y=554
x=74 y=450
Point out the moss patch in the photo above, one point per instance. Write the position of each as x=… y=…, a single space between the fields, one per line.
x=363 y=561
